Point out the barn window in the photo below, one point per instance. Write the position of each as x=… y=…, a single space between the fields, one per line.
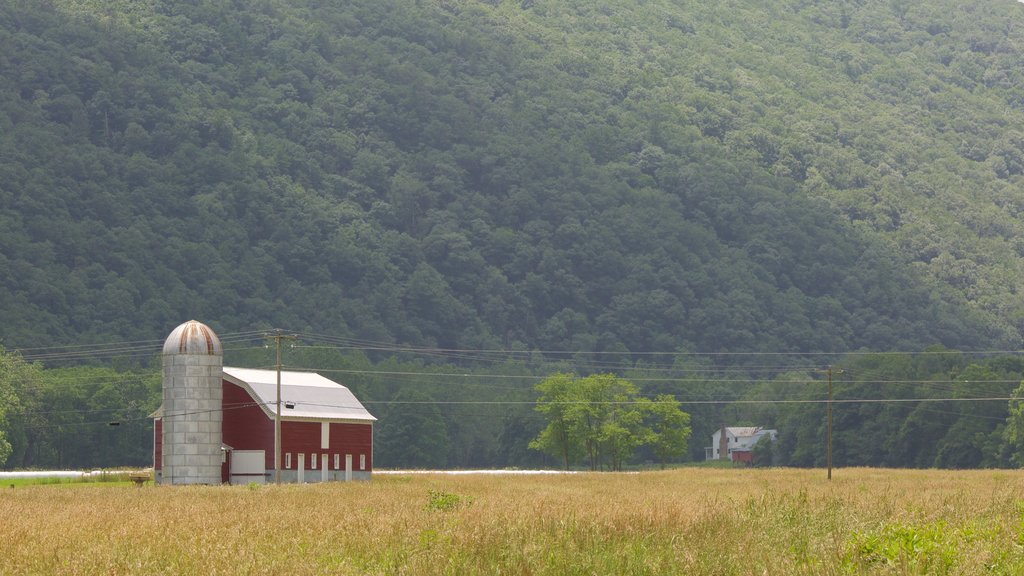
x=312 y=464
x=337 y=461
x=362 y=461
x=288 y=460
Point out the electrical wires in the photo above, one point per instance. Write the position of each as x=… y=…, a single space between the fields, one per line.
x=452 y=371
x=111 y=350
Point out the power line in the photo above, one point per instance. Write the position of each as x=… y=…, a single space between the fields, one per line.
x=525 y=403
x=140 y=347
x=736 y=401
x=368 y=345
x=147 y=418
x=97 y=351
x=422 y=374
x=113 y=349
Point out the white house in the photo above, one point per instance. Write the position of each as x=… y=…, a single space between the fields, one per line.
x=736 y=443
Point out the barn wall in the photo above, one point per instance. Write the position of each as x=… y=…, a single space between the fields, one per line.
x=743 y=456
x=343 y=439
x=246 y=426
x=300 y=437
x=353 y=439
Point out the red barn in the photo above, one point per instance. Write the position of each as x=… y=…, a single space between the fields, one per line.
x=326 y=433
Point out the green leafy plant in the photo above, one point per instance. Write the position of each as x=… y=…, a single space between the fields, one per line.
x=446 y=501
x=928 y=549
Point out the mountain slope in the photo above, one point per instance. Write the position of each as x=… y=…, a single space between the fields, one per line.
x=563 y=176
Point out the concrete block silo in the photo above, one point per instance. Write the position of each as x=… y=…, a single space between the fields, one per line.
x=193 y=362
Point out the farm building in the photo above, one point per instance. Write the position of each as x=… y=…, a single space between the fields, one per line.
x=216 y=423
x=736 y=443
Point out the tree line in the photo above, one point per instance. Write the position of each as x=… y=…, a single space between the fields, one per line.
x=938 y=408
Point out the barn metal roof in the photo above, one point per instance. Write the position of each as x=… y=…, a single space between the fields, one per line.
x=312 y=396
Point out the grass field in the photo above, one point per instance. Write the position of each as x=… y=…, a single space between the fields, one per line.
x=686 y=521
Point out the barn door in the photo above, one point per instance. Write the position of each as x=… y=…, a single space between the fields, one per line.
x=248 y=466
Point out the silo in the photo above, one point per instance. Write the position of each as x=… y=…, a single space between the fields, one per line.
x=193 y=361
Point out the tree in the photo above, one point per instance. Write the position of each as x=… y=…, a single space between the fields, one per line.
x=1013 y=434
x=622 y=429
x=15 y=375
x=603 y=418
x=763 y=452
x=557 y=392
x=670 y=428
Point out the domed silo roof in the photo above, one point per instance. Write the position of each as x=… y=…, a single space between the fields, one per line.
x=193 y=337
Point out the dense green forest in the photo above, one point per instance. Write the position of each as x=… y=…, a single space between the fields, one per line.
x=599 y=186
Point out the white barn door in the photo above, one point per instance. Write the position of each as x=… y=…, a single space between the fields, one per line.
x=248 y=466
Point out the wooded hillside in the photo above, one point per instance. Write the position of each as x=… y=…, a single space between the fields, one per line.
x=585 y=176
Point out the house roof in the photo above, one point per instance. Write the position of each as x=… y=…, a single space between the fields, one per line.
x=747 y=431
x=741 y=432
x=312 y=396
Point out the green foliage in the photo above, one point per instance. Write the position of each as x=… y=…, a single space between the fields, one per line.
x=448 y=416
x=558 y=392
x=764 y=452
x=669 y=428
x=439 y=500
x=603 y=418
x=937 y=409
x=558 y=178
x=16 y=377
x=1013 y=434
x=416 y=434
x=927 y=549
x=83 y=418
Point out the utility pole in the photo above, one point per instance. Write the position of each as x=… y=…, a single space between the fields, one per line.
x=828 y=408
x=830 y=422
x=277 y=337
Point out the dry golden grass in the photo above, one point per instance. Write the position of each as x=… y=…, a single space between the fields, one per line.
x=691 y=521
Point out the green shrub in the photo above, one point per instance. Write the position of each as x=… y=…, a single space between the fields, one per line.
x=445 y=501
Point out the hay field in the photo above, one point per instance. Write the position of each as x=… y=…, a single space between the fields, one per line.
x=687 y=521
